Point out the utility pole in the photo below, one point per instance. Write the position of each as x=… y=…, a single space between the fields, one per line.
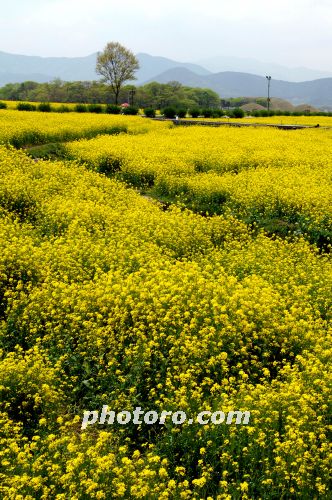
x=268 y=92
x=132 y=92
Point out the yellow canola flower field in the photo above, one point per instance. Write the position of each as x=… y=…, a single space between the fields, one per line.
x=322 y=121
x=27 y=128
x=108 y=299
x=202 y=149
x=298 y=198
x=312 y=121
x=13 y=104
x=260 y=175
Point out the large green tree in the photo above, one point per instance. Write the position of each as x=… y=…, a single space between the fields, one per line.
x=116 y=65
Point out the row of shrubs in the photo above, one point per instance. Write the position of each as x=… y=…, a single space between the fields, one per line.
x=195 y=113
x=79 y=108
x=231 y=113
x=278 y=112
x=168 y=112
x=109 y=108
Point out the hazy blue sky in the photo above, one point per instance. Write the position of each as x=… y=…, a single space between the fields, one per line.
x=289 y=32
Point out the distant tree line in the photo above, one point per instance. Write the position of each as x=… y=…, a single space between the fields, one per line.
x=154 y=95
x=172 y=98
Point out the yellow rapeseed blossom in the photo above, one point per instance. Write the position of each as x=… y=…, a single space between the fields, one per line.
x=108 y=299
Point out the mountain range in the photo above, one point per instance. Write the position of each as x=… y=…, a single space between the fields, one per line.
x=317 y=91
x=20 y=68
x=234 y=84
x=255 y=67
